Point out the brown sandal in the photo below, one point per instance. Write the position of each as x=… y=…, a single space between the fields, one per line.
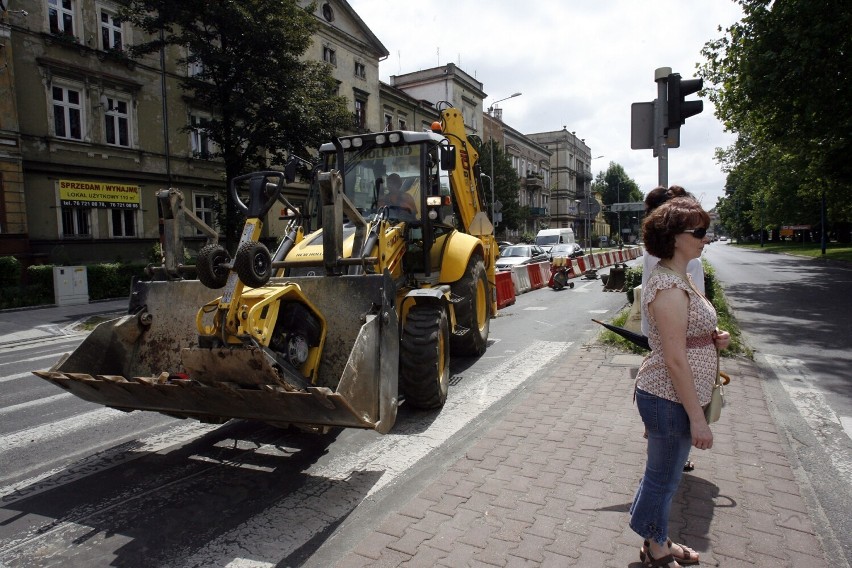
x=663 y=562
x=687 y=560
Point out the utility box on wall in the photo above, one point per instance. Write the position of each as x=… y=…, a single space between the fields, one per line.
x=70 y=285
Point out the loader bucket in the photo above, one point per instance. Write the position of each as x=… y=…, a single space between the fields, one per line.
x=152 y=360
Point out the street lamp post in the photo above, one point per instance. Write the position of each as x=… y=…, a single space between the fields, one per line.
x=618 y=200
x=491 y=136
x=577 y=209
x=588 y=219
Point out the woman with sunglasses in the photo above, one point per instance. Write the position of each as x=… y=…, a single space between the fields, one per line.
x=676 y=379
x=654 y=199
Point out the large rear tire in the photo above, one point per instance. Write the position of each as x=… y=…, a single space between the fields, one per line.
x=212 y=266
x=472 y=311
x=424 y=357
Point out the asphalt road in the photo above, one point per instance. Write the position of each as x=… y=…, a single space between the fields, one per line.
x=794 y=312
x=82 y=485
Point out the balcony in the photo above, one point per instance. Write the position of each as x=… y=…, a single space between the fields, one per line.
x=538 y=211
x=532 y=182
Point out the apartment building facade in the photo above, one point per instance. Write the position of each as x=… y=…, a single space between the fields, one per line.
x=570 y=182
x=88 y=136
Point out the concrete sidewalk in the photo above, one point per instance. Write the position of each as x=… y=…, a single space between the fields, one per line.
x=550 y=484
x=42 y=322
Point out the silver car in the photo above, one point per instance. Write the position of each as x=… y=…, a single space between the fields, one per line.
x=517 y=255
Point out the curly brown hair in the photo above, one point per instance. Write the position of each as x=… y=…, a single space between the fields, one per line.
x=660 y=195
x=670 y=219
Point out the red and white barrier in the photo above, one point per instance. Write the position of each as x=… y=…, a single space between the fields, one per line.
x=505 y=289
x=521 y=279
x=534 y=274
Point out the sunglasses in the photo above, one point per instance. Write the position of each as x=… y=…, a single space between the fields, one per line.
x=697 y=233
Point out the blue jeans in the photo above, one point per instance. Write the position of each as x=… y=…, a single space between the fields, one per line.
x=669 y=442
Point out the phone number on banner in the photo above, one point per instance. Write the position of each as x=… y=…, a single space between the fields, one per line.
x=103 y=204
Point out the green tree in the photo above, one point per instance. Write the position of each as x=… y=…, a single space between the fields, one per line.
x=615 y=186
x=780 y=80
x=506 y=185
x=265 y=102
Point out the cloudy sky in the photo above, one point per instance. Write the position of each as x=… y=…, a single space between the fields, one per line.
x=578 y=63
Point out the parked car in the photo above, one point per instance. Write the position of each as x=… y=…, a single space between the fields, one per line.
x=516 y=255
x=572 y=250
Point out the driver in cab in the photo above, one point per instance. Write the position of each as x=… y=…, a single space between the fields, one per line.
x=397 y=198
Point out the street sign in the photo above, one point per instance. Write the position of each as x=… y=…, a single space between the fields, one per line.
x=642 y=126
x=591 y=206
x=631 y=206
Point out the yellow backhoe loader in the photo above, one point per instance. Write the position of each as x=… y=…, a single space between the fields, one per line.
x=350 y=317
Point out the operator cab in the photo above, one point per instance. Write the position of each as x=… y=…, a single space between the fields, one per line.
x=369 y=160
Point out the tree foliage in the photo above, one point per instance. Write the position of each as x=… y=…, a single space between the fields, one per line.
x=780 y=79
x=264 y=101
x=506 y=184
x=615 y=186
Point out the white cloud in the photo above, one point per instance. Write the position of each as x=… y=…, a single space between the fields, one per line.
x=580 y=64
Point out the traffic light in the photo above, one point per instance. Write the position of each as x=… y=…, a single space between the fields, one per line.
x=679 y=109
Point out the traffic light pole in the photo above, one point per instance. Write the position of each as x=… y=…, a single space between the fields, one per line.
x=661 y=148
x=656 y=125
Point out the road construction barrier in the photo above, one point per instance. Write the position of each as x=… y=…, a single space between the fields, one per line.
x=575 y=268
x=521 y=279
x=593 y=263
x=534 y=273
x=505 y=289
x=545 y=270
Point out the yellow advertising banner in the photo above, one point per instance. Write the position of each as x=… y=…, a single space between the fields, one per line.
x=98 y=194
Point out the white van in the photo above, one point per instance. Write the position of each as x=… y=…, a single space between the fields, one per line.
x=546 y=238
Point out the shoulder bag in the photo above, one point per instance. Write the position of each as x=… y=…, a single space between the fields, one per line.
x=713 y=410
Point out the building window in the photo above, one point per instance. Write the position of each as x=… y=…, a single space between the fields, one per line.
x=60 y=14
x=198 y=137
x=360 y=70
x=360 y=114
x=194 y=65
x=329 y=55
x=76 y=222
x=67 y=113
x=403 y=125
x=111 y=37
x=388 y=122
x=327 y=12
x=117 y=122
x=123 y=222
x=205 y=209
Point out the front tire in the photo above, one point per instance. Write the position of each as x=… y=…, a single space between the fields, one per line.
x=424 y=357
x=472 y=310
